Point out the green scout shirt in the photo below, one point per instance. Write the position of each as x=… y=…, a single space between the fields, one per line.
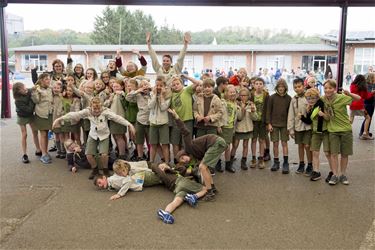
x=182 y=103
x=314 y=117
x=339 y=120
x=231 y=111
x=131 y=110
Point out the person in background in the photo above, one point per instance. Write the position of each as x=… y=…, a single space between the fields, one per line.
x=369 y=103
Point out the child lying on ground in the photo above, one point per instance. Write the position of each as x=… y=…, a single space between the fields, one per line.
x=76 y=156
x=127 y=177
x=184 y=189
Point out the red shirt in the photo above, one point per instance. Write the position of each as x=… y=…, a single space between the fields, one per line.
x=364 y=94
x=234 y=80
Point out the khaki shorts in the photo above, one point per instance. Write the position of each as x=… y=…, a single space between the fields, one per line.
x=175 y=136
x=212 y=155
x=202 y=132
x=142 y=131
x=279 y=134
x=243 y=136
x=317 y=139
x=185 y=186
x=358 y=113
x=151 y=179
x=93 y=146
x=302 y=137
x=117 y=129
x=227 y=135
x=341 y=143
x=86 y=125
x=25 y=120
x=259 y=130
x=159 y=134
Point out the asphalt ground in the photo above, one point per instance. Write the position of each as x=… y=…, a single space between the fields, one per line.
x=48 y=207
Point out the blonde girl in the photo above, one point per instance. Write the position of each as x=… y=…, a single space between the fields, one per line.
x=114 y=102
x=25 y=115
x=43 y=98
x=244 y=127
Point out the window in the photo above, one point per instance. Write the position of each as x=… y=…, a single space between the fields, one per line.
x=363 y=58
x=76 y=59
x=105 y=60
x=225 y=62
x=275 y=62
x=30 y=60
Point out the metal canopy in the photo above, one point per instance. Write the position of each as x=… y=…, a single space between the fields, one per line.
x=296 y=3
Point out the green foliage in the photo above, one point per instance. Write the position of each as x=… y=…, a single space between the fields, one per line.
x=47 y=36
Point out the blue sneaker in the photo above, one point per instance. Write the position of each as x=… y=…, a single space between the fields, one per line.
x=45 y=159
x=192 y=199
x=166 y=217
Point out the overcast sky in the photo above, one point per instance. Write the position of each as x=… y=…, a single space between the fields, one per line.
x=310 y=20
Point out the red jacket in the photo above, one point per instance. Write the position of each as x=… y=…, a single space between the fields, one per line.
x=234 y=80
x=364 y=94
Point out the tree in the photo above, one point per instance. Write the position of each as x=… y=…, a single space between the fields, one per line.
x=121 y=26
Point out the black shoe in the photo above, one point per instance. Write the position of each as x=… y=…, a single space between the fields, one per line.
x=308 y=170
x=52 y=149
x=229 y=167
x=266 y=156
x=25 y=159
x=210 y=196
x=38 y=153
x=285 y=168
x=58 y=155
x=243 y=164
x=218 y=167
x=94 y=172
x=213 y=188
x=63 y=155
x=315 y=176
x=301 y=168
x=329 y=176
x=275 y=166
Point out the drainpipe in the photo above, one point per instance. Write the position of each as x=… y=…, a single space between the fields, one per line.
x=87 y=59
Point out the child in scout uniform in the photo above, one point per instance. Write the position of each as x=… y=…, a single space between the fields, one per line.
x=42 y=96
x=141 y=96
x=317 y=117
x=159 y=129
x=244 y=126
x=127 y=177
x=114 y=103
x=300 y=131
x=229 y=120
x=25 y=115
x=339 y=129
x=98 y=139
x=184 y=189
x=277 y=118
x=208 y=110
x=260 y=99
x=182 y=103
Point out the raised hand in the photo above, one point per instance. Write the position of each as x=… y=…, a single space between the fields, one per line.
x=148 y=37
x=187 y=38
x=118 y=53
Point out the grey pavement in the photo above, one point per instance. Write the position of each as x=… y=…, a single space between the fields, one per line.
x=48 y=207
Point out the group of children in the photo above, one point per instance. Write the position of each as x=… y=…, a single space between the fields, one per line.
x=86 y=112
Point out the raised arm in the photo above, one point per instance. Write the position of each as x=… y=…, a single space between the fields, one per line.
x=69 y=61
x=180 y=61
x=154 y=58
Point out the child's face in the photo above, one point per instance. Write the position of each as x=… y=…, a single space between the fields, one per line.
x=98 y=86
x=329 y=90
x=96 y=109
x=78 y=69
x=311 y=100
x=241 y=73
x=102 y=182
x=105 y=78
x=58 y=68
x=57 y=89
x=311 y=82
x=231 y=93
x=23 y=90
x=69 y=92
x=116 y=87
x=177 y=85
x=45 y=82
x=185 y=159
x=199 y=88
x=281 y=89
x=131 y=87
x=70 y=80
x=130 y=67
x=166 y=63
x=207 y=90
x=123 y=172
x=89 y=88
x=89 y=74
x=258 y=86
x=244 y=97
x=204 y=77
x=298 y=88
x=111 y=65
x=159 y=86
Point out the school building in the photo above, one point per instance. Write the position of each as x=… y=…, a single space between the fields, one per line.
x=360 y=54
